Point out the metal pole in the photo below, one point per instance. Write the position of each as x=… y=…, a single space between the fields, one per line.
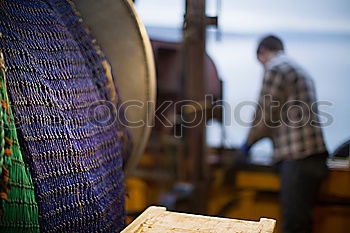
x=195 y=88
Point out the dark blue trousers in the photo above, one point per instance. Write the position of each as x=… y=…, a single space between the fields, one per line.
x=300 y=183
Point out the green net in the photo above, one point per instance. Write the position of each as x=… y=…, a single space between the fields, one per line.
x=18 y=210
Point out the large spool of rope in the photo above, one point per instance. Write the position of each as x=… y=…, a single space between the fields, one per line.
x=123 y=38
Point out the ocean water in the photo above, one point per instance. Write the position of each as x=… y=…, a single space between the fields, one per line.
x=326 y=57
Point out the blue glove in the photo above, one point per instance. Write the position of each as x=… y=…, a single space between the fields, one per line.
x=242 y=155
x=245 y=148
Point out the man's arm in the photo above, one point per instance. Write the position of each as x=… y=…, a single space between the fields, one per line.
x=267 y=113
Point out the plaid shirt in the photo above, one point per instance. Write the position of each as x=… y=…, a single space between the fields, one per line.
x=287 y=112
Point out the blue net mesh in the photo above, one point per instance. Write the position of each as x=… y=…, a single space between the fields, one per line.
x=71 y=134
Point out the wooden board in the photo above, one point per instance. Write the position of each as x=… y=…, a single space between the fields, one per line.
x=159 y=220
x=337 y=183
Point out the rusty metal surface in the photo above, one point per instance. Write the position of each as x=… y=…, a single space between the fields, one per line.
x=123 y=38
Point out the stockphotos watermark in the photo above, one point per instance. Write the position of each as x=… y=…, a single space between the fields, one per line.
x=191 y=114
x=184 y=114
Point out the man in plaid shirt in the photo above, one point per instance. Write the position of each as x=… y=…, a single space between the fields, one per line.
x=287 y=113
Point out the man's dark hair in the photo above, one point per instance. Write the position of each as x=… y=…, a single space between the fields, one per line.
x=272 y=43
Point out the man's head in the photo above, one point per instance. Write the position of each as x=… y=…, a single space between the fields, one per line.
x=268 y=47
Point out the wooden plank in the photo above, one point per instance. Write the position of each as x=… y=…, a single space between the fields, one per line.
x=157 y=219
x=258 y=181
x=267 y=225
x=337 y=183
x=149 y=213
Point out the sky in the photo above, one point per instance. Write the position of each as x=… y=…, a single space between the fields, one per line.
x=256 y=15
